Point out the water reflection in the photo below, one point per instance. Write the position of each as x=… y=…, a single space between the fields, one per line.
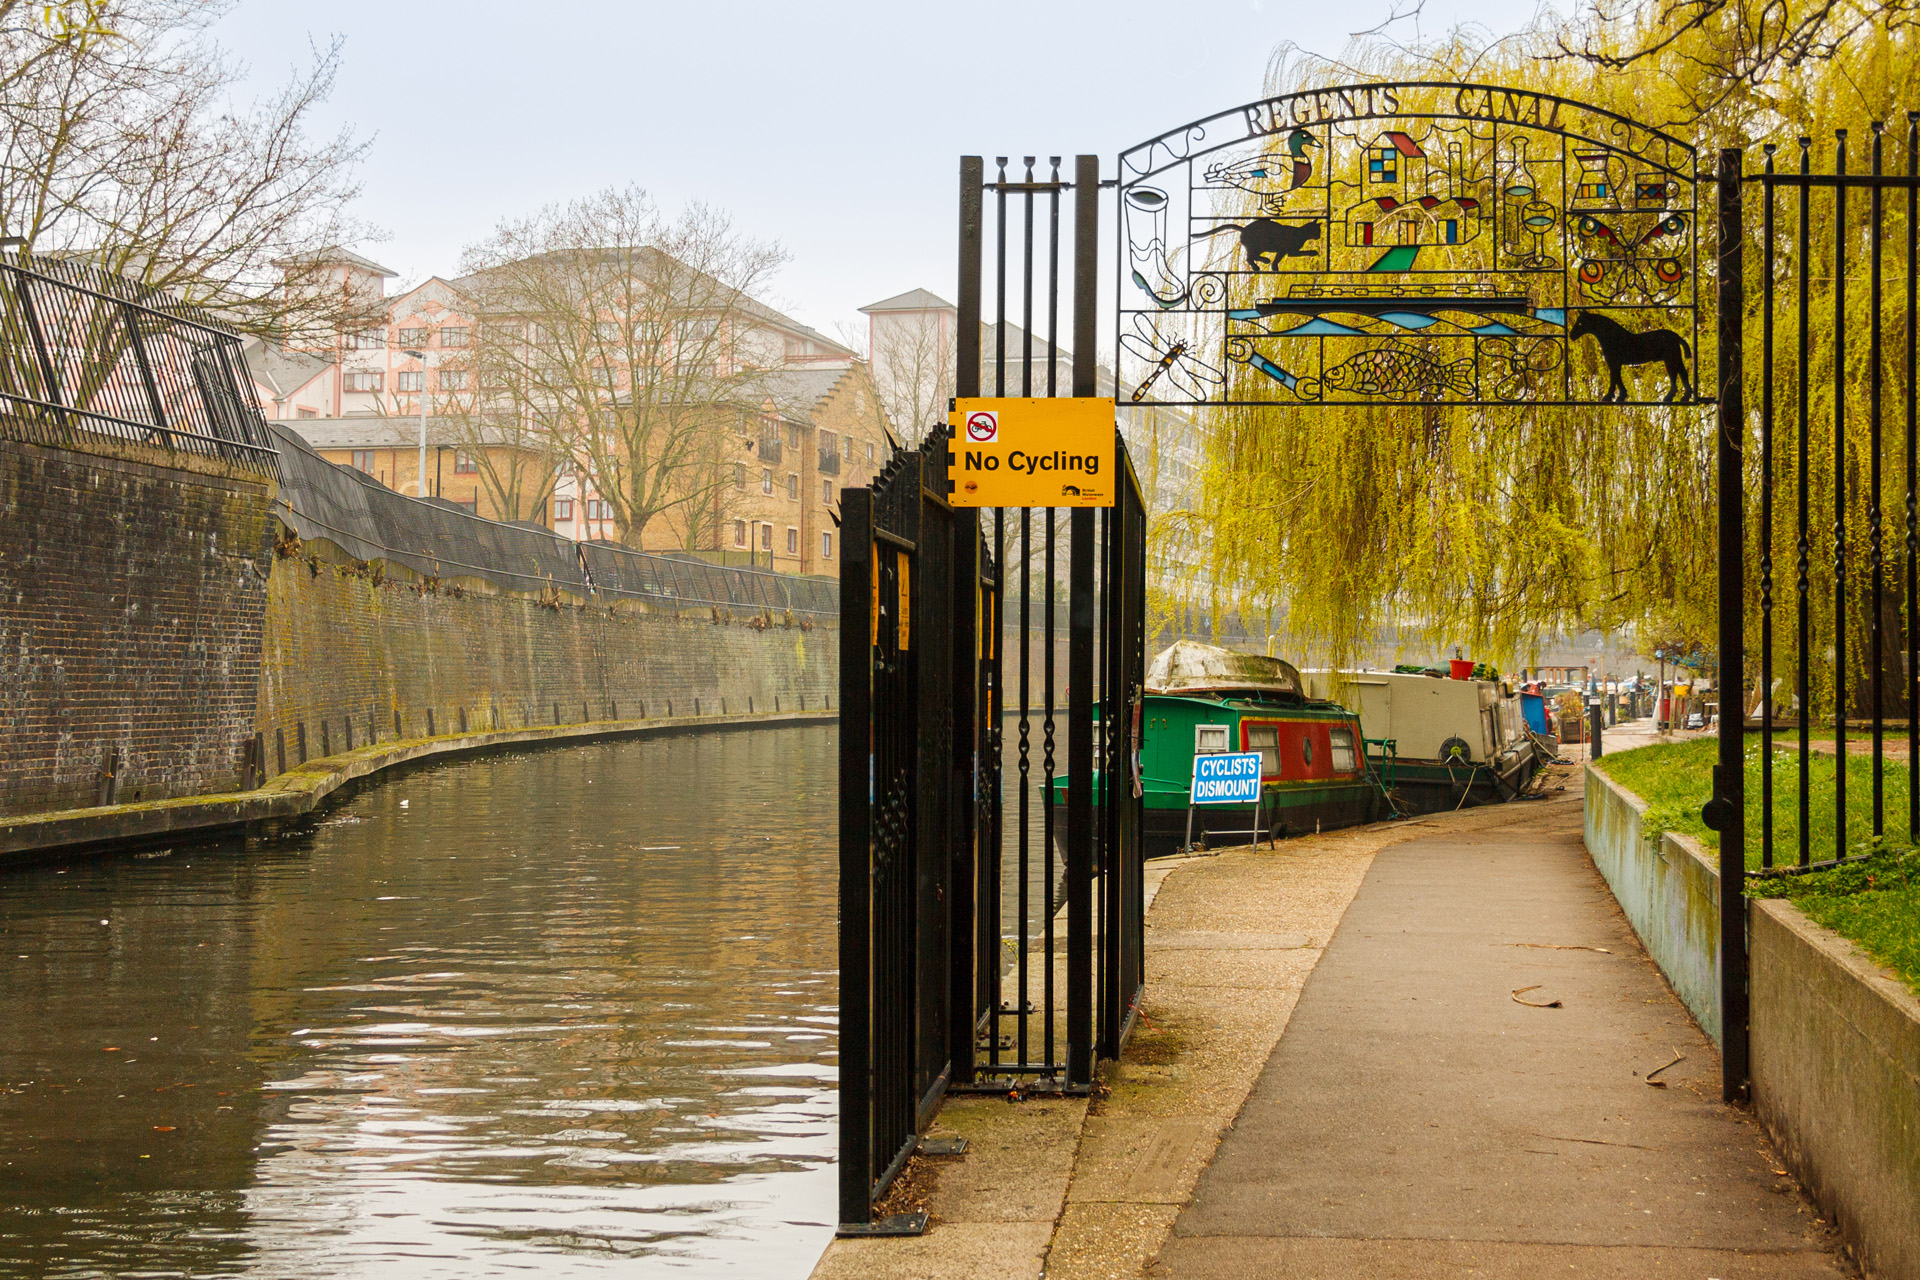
x=549 y=1012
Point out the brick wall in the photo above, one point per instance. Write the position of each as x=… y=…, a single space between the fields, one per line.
x=131 y=600
x=149 y=628
x=350 y=652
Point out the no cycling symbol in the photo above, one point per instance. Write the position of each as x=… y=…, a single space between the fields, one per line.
x=983 y=427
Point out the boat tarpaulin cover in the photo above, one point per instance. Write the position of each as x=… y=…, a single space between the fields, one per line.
x=1191 y=667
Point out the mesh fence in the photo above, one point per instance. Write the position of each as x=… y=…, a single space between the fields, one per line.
x=367 y=520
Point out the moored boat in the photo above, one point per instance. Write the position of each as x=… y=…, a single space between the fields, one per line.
x=1441 y=743
x=1202 y=699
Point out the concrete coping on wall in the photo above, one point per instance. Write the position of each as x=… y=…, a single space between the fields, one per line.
x=303 y=788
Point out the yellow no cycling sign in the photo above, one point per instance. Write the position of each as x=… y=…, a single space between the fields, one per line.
x=1033 y=452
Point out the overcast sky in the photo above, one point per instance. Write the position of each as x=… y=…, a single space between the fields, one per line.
x=831 y=126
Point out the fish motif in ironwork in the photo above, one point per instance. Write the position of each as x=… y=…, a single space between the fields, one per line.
x=1398 y=372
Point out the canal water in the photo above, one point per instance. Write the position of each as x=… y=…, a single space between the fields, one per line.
x=566 y=1012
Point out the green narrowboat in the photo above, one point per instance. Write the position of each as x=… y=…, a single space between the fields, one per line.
x=1203 y=699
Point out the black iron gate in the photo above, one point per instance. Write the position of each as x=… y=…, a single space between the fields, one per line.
x=1828 y=350
x=991 y=903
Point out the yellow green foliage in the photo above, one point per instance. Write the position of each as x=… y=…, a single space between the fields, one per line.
x=1493 y=526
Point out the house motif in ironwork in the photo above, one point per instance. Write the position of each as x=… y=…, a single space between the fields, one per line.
x=1411 y=214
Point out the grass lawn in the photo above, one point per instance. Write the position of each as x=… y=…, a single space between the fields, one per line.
x=1875 y=903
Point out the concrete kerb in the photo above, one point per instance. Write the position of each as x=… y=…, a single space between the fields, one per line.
x=304 y=788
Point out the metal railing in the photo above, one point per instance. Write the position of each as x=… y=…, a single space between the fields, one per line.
x=84 y=353
x=367 y=520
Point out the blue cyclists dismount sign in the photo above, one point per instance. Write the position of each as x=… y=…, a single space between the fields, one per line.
x=1232 y=778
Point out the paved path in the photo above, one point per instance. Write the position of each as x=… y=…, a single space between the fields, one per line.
x=1416 y=1120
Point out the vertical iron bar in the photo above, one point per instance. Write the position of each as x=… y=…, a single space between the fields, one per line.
x=1804 y=545
x=1026 y=288
x=1912 y=679
x=1874 y=546
x=1000 y=279
x=1840 y=497
x=1047 y=761
x=1766 y=531
x=968 y=907
x=1026 y=763
x=1080 y=609
x=856 y=881
x=996 y=727
x=967 y=337
x=1730 y=780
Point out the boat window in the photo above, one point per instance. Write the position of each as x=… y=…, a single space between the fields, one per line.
x=1265 y=738
x=1209 y=739
x=1342 y=743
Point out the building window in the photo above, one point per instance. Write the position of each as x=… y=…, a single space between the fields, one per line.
x=1383 y=165
x=563 y=508
x=766 y=537
x=1343 y=760
x=766 y=480
x=415 y=337
x=739 y=475
x=599 y=509
x=606 y=330
x=304 y=412
x=464 y=463
x=793 y=435
x=605 y=375
x=363 y=460
x=453 y=335
x=1265 y=738
x=826 y=492
x=793 y=541
x=453 y=379
x=410 y=380
x=366 y=380
x=793 y=484
x=869 y=451
x=471 y=504
x=739 y=533
x=366 y=340
x=826 y=546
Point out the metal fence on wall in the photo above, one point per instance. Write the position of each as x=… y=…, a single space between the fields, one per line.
x=86 y=353
x=366 y=519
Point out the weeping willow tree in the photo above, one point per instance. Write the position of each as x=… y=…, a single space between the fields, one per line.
x=1495 y=526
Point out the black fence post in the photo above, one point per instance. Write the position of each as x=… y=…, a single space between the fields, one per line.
x=856 y=1021
x=1080 y=617
x=1726 y=813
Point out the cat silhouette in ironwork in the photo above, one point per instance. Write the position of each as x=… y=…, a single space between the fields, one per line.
x=1621 y=347
x=1265 y=238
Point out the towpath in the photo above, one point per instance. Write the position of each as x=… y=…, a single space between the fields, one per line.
x=1462 y=1089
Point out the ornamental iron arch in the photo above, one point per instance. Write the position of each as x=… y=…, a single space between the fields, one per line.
x=1409 y=242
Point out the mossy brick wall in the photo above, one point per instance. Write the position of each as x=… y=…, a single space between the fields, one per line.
x=131 y=602
x=347 y=652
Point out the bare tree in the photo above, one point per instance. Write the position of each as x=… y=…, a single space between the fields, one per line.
x=913 y=360
x=120 y=147
x=632 y=340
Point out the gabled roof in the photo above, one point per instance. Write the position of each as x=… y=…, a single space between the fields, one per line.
x=280 y=371
x=796 y=393
x=911 y=300
x=474 y=282
x=380 y=431
x=335 y=255
x=1405 y=145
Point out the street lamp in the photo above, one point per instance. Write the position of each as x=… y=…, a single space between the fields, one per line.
x=1660 y=694
x=421 y=356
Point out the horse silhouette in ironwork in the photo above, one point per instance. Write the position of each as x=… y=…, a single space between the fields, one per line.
x=1621 y=347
